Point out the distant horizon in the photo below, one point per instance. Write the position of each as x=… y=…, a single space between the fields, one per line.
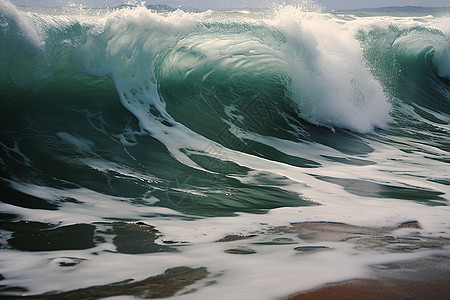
x=231 y=4
x=396 y=8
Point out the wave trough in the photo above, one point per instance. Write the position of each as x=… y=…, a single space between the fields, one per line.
x=213 y=124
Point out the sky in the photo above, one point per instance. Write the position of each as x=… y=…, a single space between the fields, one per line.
x=218 y=4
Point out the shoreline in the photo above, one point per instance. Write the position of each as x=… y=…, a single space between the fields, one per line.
x=384 y=288
x=427 y=278
x=423 y=277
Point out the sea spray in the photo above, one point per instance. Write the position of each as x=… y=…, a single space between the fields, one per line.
x=330 y=80
x=207 y=134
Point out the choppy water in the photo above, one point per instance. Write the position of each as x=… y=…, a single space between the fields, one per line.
x=210 y=124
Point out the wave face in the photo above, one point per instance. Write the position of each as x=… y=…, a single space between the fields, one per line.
x=412 y=63
x=229 y=120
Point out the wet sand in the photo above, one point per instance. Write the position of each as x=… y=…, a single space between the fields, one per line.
x=160 y=286
x=427 y=278
x=385 y=288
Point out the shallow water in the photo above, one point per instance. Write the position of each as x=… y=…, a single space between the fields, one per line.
x=210 y=124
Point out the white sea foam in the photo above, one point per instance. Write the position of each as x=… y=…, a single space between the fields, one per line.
x=330 y=80
x=327 y=67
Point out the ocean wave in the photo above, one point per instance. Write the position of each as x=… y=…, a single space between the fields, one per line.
x=191 y=78
x=128 y=131
x=411 y=63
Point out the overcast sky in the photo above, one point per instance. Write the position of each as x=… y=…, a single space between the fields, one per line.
x=330 y=4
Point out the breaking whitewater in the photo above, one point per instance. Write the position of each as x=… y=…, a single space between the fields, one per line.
x=218 y=154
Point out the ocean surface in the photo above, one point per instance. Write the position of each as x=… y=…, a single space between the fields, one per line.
x=134 y=140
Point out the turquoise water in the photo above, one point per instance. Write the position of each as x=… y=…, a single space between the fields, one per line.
x=214 y=123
